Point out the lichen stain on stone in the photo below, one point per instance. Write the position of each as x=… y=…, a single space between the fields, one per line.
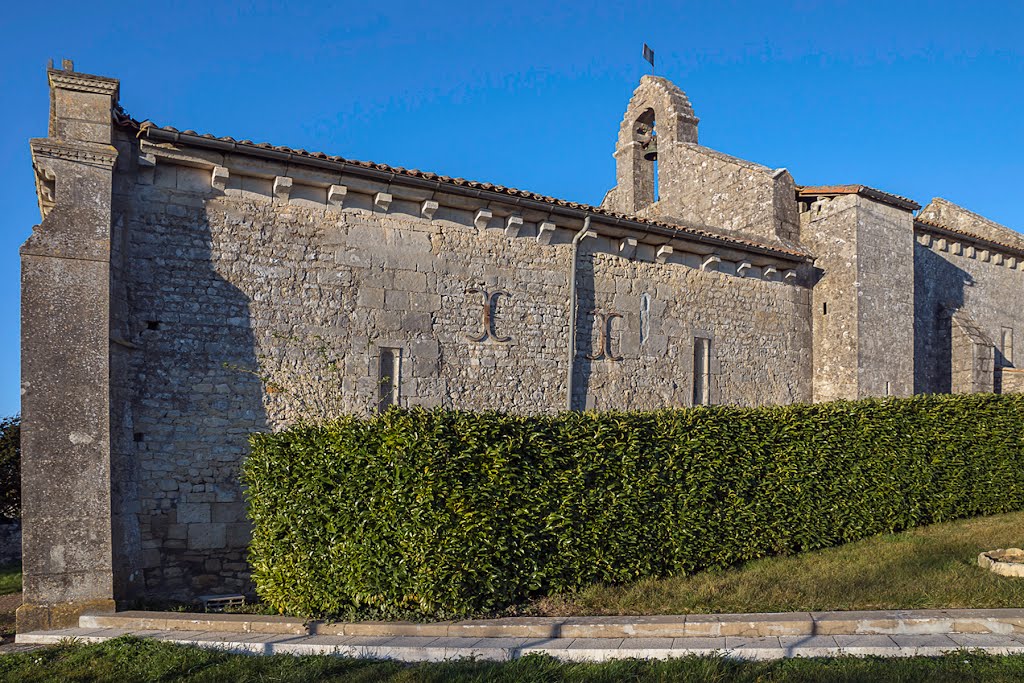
x=79 y=439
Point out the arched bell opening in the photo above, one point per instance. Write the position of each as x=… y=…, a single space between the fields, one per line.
x=645 y=135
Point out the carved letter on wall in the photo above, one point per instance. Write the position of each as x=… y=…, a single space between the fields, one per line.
x=604 y=344
x=489 y=303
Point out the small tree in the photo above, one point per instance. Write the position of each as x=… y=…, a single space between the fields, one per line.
x=10 y=468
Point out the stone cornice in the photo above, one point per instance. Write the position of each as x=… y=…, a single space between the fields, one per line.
x=70 y=80
x=82 y=152
x=929 y=228
x=182 y=144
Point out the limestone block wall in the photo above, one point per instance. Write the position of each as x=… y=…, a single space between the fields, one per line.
x=701 y=186
x=980 y=280
x=1012 y=381
x=885 y=294
x=652 y=313
x=830 y=226
x=944 y=212
x=972 y=357
x=863 y=297
x=251 y=301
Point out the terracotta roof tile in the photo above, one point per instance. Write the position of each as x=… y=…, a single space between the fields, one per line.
x=124 y=119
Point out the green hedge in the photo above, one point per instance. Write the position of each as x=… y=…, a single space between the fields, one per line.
x=10 y=468
x=449 y=513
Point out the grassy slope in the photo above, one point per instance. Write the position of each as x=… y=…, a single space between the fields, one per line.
x=928 y=567
x=125 y=660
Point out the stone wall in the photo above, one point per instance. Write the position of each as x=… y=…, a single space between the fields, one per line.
x=694 y=185
x=980 y=281
x=759 y=332
x=944 y=212
x=183 y=292
x=862 y=297
x=700 y=186
x=249 y=308
x=1012 y=380
x=885 y=300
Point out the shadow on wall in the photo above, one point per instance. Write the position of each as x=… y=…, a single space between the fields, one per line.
x=188 y=407
x=587 y=334
x=938 y=294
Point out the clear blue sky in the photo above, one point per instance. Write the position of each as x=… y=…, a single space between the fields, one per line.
x=918 y=98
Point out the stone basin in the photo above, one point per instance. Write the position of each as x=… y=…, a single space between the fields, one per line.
x=1005 y=561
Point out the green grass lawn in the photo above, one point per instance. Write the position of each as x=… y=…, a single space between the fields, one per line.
x=127 y=660
x=10 y=586
x=10 y=579
x=925 y=568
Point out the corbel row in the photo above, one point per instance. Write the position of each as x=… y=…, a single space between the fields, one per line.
x=970 y=251
x=513 y=226
x=627 y=248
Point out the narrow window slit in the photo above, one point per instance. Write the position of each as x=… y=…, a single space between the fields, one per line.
x=388 y=378
x=701 y=371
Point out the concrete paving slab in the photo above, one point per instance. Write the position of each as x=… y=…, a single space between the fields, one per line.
x=507 y=643
x=969 y=640
x=384 y=628
x=909 y=622
x=489 y=654
x=368 y=641
x=595 y=643
x=411 y=641
x=647 y=643
x=928 y=641
x=762 y=642
x=876 y=641
x=698 y=643
x=455 y=642
x=517 y=627
x=808 y=641
x=904 y=633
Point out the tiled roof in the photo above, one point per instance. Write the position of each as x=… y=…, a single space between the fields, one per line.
x=150 y=130
x=863 y=190
x=936 y=227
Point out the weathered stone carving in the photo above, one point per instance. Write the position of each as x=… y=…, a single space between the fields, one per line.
x=604 y=344
x=46 y=189
x=488 y=305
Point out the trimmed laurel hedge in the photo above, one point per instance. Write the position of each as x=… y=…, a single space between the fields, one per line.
x=449 y=513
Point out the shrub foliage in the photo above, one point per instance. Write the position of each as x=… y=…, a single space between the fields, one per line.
x=449 y=513
x=10 y=468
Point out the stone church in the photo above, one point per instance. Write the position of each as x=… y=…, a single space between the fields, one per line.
x=184 y=290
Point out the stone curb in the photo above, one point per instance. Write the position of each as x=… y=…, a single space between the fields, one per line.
x=901 y=622
x=435 y=649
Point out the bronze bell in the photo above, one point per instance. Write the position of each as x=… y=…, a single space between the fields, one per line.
x=651 y=149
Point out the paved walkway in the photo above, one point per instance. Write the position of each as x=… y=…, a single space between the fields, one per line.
x=895 y=634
